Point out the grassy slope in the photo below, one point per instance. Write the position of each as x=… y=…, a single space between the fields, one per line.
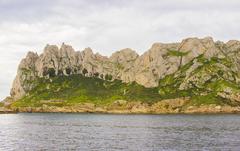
x=200 y=93
x=1 y=104
x=78 y=89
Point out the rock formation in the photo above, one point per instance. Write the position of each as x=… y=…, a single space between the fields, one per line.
x=126 y=65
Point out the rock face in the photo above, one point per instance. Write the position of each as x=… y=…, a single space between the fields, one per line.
x=126 y=65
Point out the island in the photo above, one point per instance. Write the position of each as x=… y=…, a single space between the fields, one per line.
x=192 y=76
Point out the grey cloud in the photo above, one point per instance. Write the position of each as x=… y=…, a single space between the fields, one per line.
x=107 y=25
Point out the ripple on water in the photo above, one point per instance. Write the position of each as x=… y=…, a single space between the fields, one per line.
x=119 y=132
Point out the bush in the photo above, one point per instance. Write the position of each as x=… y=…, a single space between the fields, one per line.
x=84 y=71
x=60 y=72
x=96 y=74
x=177 y=53
x=68 y=71
x=108 y=77
x=49 y=72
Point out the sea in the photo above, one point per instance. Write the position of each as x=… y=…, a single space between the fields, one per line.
x=115 y=132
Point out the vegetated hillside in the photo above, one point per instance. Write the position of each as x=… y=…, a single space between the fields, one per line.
x=69 y=90
x=205 y=81
x=201 y=70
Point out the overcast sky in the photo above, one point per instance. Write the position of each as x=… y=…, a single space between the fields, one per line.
x=107 y=26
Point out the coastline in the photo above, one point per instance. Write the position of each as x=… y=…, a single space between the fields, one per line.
x=168 y=106
x=191 y=110
x=123 y=112
x=7 y=111
x=133 y=113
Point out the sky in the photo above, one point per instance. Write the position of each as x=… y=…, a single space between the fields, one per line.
x=107 y=26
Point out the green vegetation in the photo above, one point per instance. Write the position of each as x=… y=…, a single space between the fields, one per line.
x=84 y=71
x=108 y=77
x=202 y=85
x=1 y=104
x=74 y=89
x=208 y=79
x=119 y=66
x=177 y=53
x=206 y=99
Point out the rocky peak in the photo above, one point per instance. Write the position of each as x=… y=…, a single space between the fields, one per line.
x=66 y=50
x=195 y=47
x=155 y=63
x=29 y=61
x=50 y=49
x=87 y=52
x=31 y=55
x=124 y=55
x=232 y=42
x=233 y=45
x=26 y=72
x=100 y=57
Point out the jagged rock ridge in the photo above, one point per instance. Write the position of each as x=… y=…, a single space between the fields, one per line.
x=126 y=65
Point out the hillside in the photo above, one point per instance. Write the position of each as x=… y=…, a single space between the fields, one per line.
x=196 y=75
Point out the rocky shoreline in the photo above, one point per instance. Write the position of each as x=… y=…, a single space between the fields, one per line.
x=67 y=110
x=170 y=106
x=6 y=111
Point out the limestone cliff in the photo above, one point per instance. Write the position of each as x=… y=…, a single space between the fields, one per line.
x=126 y=65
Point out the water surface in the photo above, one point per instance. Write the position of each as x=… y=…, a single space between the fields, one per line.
x=45 y=131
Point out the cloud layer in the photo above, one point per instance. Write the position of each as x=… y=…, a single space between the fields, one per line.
x=107 y=26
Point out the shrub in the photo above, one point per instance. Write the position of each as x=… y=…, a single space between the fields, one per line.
x=60 y=72
x=68 y=71
x=108 y=77
x=84 y=71
x=177 y=53
x=51 y=72
x=96 y=74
